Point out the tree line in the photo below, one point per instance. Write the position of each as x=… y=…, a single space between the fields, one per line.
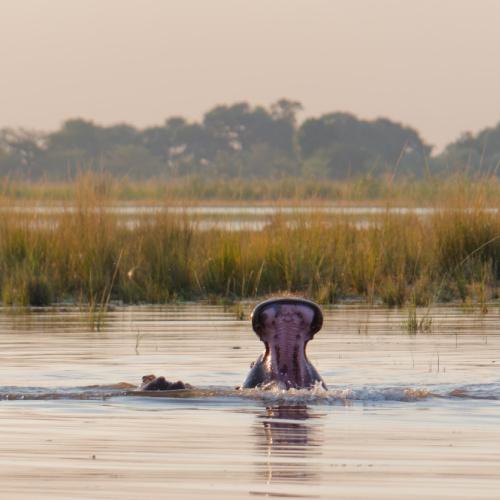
x=241 y=140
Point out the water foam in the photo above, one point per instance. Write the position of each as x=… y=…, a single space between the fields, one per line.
x=270 y=394
x=319 y=395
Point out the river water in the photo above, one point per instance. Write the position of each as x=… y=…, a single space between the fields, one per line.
x=406 y=416
x=230 y=218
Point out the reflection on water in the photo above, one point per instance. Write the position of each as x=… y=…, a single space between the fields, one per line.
x=233 y=210
x=284 y=432
x=229 y=218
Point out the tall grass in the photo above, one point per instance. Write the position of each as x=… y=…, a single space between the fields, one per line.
x=448 y=191
x=88 y=255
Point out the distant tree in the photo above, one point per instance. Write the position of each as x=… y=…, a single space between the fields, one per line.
x=81 y=144
x=78 y=135
x=132 y=161
x=253 y=141
x=191 y=146
x=120 y=134
x=21 y=152
x=158 y=141
x=350 y=146
x=479 y=154
x=9 y=166
x=239 y=127
x=261 y=160
x=286 y=110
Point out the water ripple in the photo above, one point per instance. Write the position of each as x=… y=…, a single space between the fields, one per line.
x=272 y=395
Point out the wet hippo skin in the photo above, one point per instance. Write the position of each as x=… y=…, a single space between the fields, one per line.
x=285 y=326
x=153 y=383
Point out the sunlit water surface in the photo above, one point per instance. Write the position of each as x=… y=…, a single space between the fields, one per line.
x=231 y=218
x=406 y=416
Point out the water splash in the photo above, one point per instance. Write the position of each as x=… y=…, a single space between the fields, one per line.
x=318 y=395
x=271 y=394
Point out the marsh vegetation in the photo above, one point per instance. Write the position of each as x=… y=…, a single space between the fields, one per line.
x=83 y=252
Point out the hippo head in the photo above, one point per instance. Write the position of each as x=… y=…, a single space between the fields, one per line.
x=285 y=326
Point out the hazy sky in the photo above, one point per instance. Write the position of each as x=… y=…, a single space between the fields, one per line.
x=433 y=64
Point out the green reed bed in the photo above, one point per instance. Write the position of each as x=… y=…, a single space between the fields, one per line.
x=443 y=191
x=87 y=255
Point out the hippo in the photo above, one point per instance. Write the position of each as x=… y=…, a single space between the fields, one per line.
x=154 y=383
x=285 y=326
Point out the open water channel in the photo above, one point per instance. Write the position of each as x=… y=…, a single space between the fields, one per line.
x=406 y=416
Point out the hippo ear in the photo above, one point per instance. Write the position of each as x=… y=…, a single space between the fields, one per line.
x=262 y=319
x=317 y=322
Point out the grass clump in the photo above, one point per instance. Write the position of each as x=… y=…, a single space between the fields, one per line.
x=413 y=324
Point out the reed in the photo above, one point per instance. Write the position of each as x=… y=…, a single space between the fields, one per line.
x=86 y=254
x=452 y=190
